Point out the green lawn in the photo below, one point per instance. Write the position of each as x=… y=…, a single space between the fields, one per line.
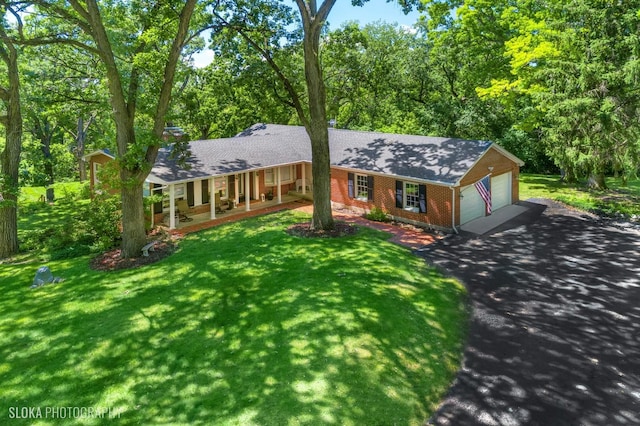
x=243 y=325
x=618 y=199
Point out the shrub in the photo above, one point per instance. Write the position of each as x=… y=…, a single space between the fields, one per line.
x=81 y=229
x=378 y=215
x=103 y=220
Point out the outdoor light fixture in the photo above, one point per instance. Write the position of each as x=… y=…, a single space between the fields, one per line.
x=490 y=168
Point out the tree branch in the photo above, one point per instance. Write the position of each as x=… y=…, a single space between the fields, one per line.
x=295 y=99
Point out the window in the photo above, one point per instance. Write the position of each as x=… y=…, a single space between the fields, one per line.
x=269 y=178
x=362 y=187
x=286 y=175
x=221 y=186
x=179 y=191
x=411 y=196
x=96 y=170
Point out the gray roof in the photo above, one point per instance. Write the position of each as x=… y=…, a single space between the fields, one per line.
x=442 y=160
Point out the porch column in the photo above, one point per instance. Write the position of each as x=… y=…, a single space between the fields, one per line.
x=153 y=206
x=256 y=186
x=278 y=185
x=172 y=206
x=247 y=185
x=212 y=198
x=304 y=178
x=236 y=185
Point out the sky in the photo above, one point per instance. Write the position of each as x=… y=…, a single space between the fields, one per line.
x=343 y=11
x=372 y=11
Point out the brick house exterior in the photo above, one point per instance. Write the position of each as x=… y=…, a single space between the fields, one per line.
x=439 y=199
x=418 y=179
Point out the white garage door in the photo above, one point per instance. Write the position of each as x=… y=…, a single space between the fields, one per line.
x=501 y=191
x=471 y=205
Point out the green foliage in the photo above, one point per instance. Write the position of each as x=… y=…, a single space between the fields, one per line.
x=103 y=222
x=577 y=63
x=244 y=324
x=378 y=215
x=72 y=226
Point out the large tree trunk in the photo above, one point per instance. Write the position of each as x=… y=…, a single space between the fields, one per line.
x=317 y=127
x=321 y=171
x=134 y=235
x=10 y=156
x=597 y=181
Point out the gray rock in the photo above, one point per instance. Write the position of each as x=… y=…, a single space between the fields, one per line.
x=44 y=276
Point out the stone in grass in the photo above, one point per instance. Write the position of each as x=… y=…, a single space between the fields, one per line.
x=44 y=276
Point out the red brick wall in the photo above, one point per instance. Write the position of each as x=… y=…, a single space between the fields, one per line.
x=384 y=188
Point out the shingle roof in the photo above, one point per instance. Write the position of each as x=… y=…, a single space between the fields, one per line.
x=443 y=160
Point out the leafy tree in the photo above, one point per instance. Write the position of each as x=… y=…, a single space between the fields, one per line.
x=264 y=25
x=367 y=73
x=578 y=63
x=139 y=44
x=11 y=119
x=65 y=87
x=220 y=99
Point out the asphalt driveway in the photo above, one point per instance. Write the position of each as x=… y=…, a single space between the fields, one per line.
x=554 y=337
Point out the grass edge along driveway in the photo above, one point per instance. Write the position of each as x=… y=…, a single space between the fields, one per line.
x=243 y=325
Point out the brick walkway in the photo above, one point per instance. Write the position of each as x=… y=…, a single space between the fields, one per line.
x=410 y=237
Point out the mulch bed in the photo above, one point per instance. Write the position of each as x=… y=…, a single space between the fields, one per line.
x=112 y=260
x=340 y=229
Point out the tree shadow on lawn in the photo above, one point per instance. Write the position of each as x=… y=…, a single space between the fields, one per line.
x=271 y=338
x=555 y=324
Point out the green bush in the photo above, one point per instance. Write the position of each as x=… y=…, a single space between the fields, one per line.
x=378 y=215
x=103 y=222
x=73 y=228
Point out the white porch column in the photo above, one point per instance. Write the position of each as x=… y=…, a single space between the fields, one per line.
x=256 y=186
x=247 y=185
x=197 y=193
x=236 y=184
x=304 y=178
x=153 y=206
x=212 y=198
x=278 y=185
x=172 y=206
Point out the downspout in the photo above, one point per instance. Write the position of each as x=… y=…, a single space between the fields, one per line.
x=453 y=209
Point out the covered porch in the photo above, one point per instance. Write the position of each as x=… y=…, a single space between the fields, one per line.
x=194 y=222
x=206 y=199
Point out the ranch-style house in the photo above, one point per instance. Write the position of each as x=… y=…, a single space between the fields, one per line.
x=429 y=181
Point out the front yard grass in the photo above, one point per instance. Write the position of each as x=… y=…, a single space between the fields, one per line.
x=243 y=325
x=617 y=201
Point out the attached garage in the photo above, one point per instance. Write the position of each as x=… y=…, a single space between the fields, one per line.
x=471 y=204
x=501 y=191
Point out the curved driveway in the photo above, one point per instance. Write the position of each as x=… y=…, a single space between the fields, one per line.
x=554 y=337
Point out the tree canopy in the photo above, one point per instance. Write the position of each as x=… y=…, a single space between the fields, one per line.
x=556 y=83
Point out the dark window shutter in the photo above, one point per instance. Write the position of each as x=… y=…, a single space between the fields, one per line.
x=157 y=207
x=351 y=184
x=205 y=191
x=422 y=197
x=370 y=188
x=399 y=194
x=190 y=198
